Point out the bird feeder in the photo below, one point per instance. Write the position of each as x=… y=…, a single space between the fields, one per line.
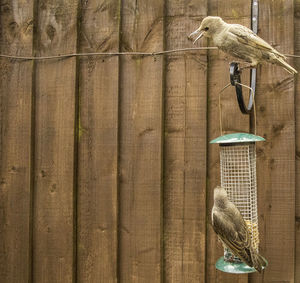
x=238 y=177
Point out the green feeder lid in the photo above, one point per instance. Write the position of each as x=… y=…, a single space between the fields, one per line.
x=232 y=264
x=237 y=138
x=234 y=267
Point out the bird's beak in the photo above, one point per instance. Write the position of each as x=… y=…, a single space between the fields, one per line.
x=195 y=33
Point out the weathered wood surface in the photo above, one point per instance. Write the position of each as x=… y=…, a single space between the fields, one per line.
x=140 y=168
x=55 y=82
x=297 y=139
x=98 y=144
x=106 y=174
x=185 y=148
x=232 y=121
x=16 y=20
x=276 y=156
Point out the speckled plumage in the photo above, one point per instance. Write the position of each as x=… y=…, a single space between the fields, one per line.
x=240 y=42
x=232 y=230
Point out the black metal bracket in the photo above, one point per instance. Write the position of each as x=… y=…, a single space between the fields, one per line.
x=235 y=80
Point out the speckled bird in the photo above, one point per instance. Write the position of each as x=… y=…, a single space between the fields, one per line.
x=240 y=42
x=232 y=230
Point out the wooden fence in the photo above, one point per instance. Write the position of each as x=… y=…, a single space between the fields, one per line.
x=106 y=174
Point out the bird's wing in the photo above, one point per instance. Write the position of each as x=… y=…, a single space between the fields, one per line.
x=234 y=235
x=248 y=37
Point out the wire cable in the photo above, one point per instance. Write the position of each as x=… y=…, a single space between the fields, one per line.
x=61 y=56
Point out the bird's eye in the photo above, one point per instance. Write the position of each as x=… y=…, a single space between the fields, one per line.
x=206 y=29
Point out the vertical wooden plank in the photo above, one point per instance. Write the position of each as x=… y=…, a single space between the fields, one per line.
x=141 y=85
x=16 y=18
x=297 y=138
x=232 y=11
x=185 y=147
x=98 y=145
x=276 y=156
x=54 y=157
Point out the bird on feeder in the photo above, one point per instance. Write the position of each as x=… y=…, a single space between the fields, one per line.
x=240 y=42
x=232 y=230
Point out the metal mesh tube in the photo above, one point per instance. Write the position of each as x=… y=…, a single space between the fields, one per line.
x=238 y=177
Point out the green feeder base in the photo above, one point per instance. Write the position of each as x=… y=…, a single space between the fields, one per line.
x=233 y=267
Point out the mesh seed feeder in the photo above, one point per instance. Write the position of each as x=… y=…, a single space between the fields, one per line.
x=238 y=177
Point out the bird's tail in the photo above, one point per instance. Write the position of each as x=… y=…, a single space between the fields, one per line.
x=259 y=262
x=285 y=65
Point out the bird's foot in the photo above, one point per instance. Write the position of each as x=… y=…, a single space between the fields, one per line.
x=246 y=66
x=231 y=259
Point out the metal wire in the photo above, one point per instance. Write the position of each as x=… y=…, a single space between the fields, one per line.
x=70 y=55
x=220 y=107
x=61 y=56
x=238 y=177
x=254 y=109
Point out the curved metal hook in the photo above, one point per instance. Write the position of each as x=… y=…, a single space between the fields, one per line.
x=235 y=80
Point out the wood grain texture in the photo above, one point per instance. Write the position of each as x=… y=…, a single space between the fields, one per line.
x=276 y=156
x=53 y=233
x=297 y=138
x=233 y=121
x=98 y=144
x=146 y=121
x=141 y=143
x=15 y=142
x=185 y=147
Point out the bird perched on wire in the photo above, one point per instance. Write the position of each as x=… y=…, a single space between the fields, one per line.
x=240 y=42
x=232 y=230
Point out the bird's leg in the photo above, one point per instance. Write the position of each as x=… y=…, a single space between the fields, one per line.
x=230 y=258
x=247 y=66
x=228 y=255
